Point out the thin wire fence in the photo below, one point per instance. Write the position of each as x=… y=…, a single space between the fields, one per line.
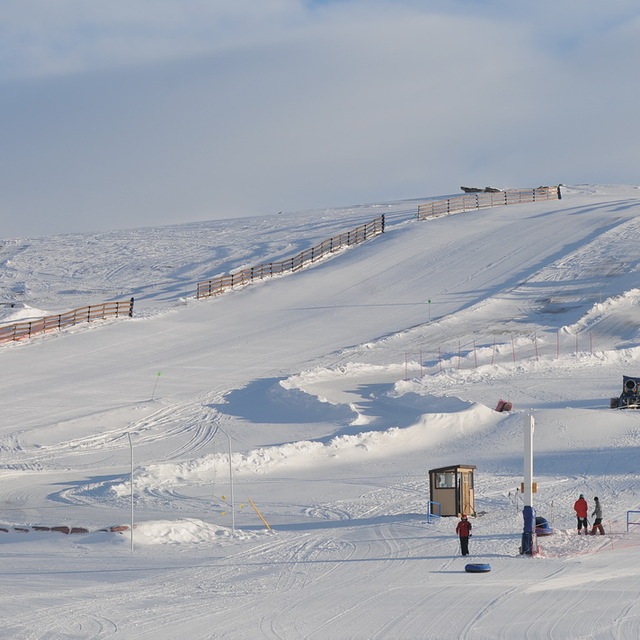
x=459 y=355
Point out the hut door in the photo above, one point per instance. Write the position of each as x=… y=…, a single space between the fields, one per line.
x=466 y=505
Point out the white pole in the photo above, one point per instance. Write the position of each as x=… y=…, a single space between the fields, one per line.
x=233 y=507
x=528 y=513
x=528 y=462
x=131 y=485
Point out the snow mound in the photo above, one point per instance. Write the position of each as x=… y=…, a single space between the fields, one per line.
x=186 y=532
x=12 y=312
x=431 y=429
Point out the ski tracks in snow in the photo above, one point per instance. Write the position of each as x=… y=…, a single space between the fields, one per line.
x=192 y=425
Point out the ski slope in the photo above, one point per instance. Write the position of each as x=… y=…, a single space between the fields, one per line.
x=336 y=389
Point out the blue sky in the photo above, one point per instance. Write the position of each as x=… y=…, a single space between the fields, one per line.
x=144 y=112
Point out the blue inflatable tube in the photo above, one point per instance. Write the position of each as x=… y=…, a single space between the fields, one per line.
x=477 y=568
x=544 y=531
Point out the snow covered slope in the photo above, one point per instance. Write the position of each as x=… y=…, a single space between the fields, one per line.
x=336 y=389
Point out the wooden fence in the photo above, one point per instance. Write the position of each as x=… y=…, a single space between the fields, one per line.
x=22 y=330
x=486 y=199
x=222 y=283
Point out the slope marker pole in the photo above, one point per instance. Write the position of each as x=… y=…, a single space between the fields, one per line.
x=131 y=485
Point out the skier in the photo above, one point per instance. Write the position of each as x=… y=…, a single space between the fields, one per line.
x=463 y=529
x=597 y=523
x=582 y=511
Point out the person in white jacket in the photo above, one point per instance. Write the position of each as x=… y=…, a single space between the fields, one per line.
x=597 y=523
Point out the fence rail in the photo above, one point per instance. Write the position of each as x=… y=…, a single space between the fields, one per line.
x=215 y=286
x=632 y=522
x=21 y=330
x=220 y=284
x=484 y=200
x=434 y=511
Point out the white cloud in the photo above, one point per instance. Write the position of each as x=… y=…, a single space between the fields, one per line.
x=68 y=36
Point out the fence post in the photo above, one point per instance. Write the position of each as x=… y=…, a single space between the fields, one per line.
x=131 y=307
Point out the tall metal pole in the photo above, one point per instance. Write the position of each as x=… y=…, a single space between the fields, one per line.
x=131 y=485
x=528 y=461
x=528 y=513
x=233 y=504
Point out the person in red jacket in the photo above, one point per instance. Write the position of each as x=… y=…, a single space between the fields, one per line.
x=582 y=511
x=464 y=531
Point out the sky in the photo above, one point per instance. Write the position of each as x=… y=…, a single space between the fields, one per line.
x=144 y=112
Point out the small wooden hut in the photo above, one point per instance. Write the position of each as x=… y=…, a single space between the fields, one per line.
x=452 y=489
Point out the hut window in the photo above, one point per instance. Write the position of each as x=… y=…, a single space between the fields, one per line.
x=446 y=480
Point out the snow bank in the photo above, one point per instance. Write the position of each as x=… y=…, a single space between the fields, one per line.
x=13 y=312
x=428 y=431
x=186 y=532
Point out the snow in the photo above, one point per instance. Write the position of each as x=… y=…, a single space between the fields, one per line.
x=335 y=389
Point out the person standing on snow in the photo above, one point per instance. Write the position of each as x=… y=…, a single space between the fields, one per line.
x=597 y=523
x=582 y=511
x=463 y=529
